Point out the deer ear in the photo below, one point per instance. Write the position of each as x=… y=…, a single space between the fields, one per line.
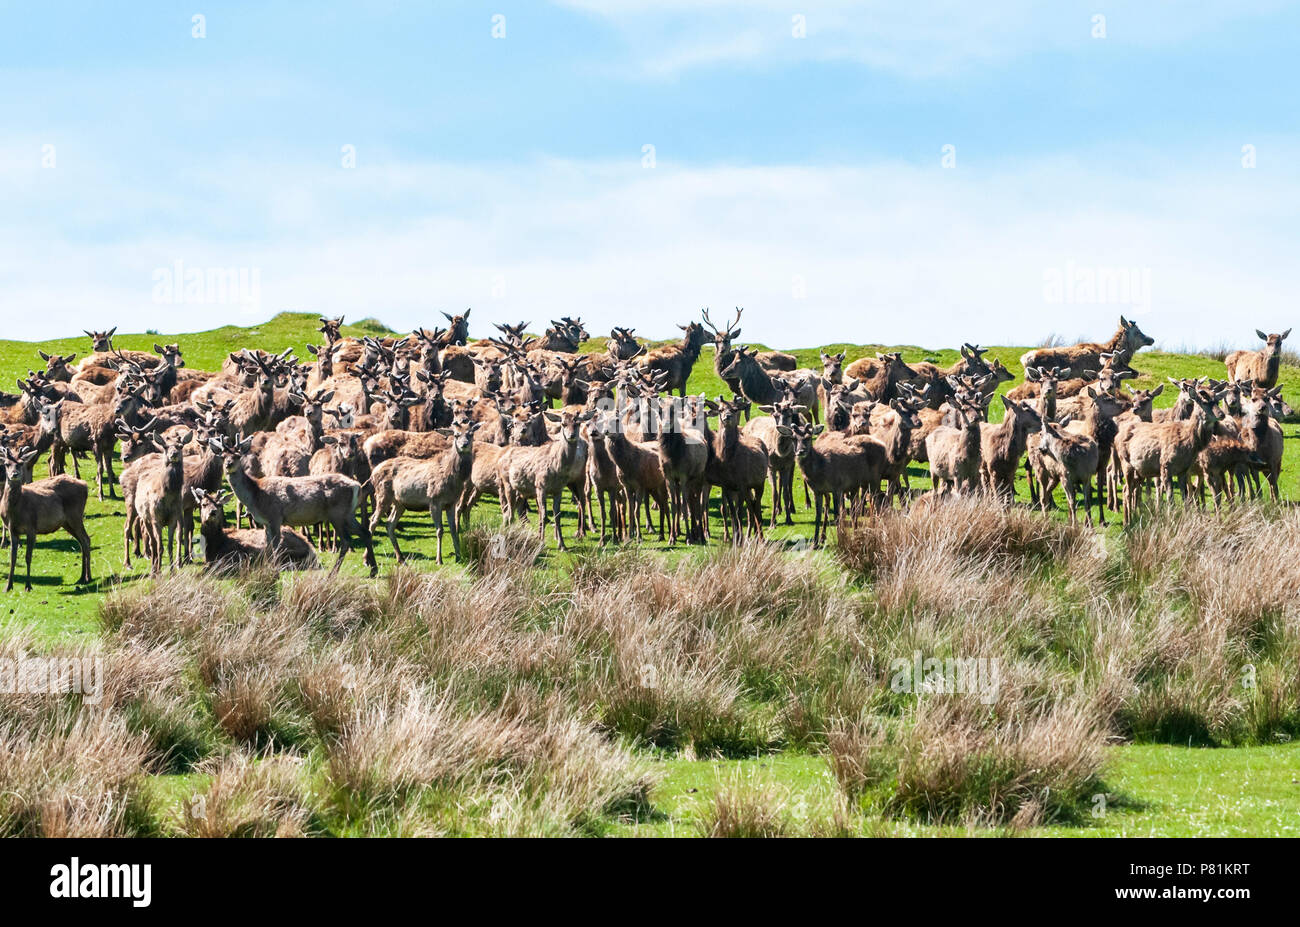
x=1262 y=336
x=1157 y=391
x=1284 y=334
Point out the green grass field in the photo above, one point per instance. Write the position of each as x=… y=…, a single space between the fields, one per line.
x=1155 y=789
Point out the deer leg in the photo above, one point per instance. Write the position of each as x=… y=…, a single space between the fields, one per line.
x=367 y=542
x=344 y=532
x=600 y=501
x=435 y=513
x=31 y=543
x=787 y=487
x=78 y=531
x=394 y=516
x=107 y=454
x=13 y=559
x=455 y=539
x=541 y=512
x=559 y=532
x=126 y=538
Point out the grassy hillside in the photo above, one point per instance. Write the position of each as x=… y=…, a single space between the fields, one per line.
x=747 y=749
x=58 y=608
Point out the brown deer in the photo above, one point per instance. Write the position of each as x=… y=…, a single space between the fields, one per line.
x=1260 y=366
x=297 y=502
x=544 y=472
x=1002 y=445
x=1070 y=459
x=677 y=360
x=623 y=345
x=227 y=550
x=1164 y=451
x=954 y=450
x=738 y=466
x=779 y=448
x=29 y=509
x=1087 y=355
x=881 y=376
x=157 y=500
x=1263 y=435
x=603 y=476
x=684 y=457
x=434 y=484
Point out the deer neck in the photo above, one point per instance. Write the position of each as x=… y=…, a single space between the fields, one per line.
x=8 y=505
x=814 y=463
x=757 y=385
x=725 y=440
x=1202 y=426
x=247 y=488
x=213 y=532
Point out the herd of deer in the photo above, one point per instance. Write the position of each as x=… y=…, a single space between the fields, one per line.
x=434 y=421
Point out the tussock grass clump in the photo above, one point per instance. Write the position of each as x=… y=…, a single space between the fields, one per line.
x=172 y=608
x=319 y=602
x=952 y=761
x=508 y=547
x=967 y=528
x=247 y=669
x=748 y=810
x=1215 y=663
x=246 y=797
x=546 y=774
x=83 y=777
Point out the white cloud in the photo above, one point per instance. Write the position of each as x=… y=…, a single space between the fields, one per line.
x=916 y=40
x=888 y=252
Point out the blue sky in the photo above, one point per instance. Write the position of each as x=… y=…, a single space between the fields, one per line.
x=799 y=177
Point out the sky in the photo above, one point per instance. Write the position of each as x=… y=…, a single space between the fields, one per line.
x=897 y=172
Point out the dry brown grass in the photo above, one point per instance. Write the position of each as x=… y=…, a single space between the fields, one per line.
x=81 y=778
x=246 y=797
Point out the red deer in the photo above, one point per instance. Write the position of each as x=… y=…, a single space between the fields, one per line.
x=29 y=509
x=434 y=484
x=1087 y=355
x=1070 y=459
x=738 y=466
x=227 y=550
x=1260 y=366
x=676 y=360
x=298 y=502
x=1164 y=450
